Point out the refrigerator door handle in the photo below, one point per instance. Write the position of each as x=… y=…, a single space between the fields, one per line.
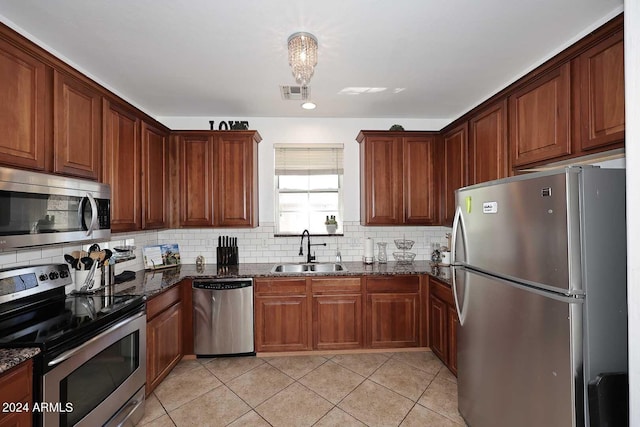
x=454 y=288
x=458 y=223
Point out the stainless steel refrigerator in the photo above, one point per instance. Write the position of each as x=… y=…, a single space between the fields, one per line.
x=540 y=288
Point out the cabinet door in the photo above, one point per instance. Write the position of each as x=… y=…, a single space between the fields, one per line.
x=452 y=339
x=23 y=109
x=438 y=327
x=381 y=180
x=421 y=183
x=77 y=115
x=393 y=320
x=164 y=345
x=16 y=419
x=154 y=177
x=488 y=144
x=196 y=180
x=121 y=166
x=281 y=323
x=337 y=322
x=455 y=169
x=540 y=118
x=237 y=179
x=602 y=93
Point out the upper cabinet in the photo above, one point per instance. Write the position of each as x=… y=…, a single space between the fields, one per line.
x=602 y=93
x=540 y=118
x=454 y=172
x=122 y=165
x=23 y=110
x=155 y=174
x=488 y=144
x=77 y=127
x=218 y=178
x=399 y=183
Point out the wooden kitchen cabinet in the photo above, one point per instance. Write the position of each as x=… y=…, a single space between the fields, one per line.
x=282 y=313
x=488 y=144
x=24 y=92
x=602 y=94
x=443 y=323
x=77 y=127
x=337 y=313
x=454 y=169
x=154 y=176
x=218 y=173
x=121 y=165
x=164 y=335
x=398 y=178
x=540 y=118
x=392 y=311
x=16 y=388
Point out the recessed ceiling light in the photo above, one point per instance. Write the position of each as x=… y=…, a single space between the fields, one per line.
x=309 y=106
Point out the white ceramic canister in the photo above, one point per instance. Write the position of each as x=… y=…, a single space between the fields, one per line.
x=445 y=257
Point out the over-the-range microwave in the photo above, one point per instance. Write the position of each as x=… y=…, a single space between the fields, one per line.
x=41 y=209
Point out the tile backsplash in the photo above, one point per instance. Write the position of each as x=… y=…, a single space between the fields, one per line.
x=254 y=245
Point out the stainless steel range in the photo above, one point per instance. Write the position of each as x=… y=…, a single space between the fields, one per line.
x=92 y=368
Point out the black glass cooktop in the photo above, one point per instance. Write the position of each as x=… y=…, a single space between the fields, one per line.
x=61 y=320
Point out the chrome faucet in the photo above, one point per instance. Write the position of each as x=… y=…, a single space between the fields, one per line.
x=310 y=258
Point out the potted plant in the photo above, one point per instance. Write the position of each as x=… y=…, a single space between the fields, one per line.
x=331 y=224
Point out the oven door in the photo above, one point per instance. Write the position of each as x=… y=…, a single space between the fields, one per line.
x=99 y=380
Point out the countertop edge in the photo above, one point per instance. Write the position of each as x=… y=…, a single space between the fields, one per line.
x=12 y=357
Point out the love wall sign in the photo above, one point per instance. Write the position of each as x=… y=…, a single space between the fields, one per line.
x=230 y=125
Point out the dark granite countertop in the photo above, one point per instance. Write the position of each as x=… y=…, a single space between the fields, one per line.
x=149 y=283
x=11 y=357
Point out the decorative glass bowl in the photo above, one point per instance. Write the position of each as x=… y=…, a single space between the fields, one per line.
x=404 y=257
x=404 y=244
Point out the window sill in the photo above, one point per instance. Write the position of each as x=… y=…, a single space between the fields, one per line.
x=312 y=235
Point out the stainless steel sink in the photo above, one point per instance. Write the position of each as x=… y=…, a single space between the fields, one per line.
x=327 y=267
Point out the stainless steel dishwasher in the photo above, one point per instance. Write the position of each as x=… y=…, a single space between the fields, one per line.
x=223 y=317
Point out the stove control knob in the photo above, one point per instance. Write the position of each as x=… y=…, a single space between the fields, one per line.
x=43 y=277
x=53 y=275
x=64 y=274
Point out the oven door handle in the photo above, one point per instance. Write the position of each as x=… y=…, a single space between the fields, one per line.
x=69 y=354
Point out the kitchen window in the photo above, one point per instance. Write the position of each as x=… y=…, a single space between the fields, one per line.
x=308 y=180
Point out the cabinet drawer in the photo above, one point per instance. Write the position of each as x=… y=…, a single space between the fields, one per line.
x=441 y=290
x=280 y=286
x=336 y=285
x=396 y=284
x=159 y=303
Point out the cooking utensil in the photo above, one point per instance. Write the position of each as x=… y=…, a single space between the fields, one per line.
x=94 y=248
x=86 y=262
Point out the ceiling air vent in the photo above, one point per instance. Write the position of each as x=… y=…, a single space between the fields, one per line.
x=294 y=93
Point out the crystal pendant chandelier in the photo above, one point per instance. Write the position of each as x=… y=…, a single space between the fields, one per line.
x=303 y=56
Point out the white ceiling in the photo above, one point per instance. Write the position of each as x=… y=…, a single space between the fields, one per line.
x=228 y=58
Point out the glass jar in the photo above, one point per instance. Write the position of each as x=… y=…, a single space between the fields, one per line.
x=382 y=252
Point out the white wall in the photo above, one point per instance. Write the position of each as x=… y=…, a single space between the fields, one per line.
x=632 y=128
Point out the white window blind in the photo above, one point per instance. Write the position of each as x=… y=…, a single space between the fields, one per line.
x=308 y=159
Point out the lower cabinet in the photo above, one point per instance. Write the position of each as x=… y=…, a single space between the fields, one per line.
x=443 y=323
x=164 y=335
x=16 y=388
x=337 y=313
x=393 y=311
x=282 y=315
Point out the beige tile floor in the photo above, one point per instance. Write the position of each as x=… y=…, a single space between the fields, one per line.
x=368 y=389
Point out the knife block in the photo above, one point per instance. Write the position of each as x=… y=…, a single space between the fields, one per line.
x=227 y=255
